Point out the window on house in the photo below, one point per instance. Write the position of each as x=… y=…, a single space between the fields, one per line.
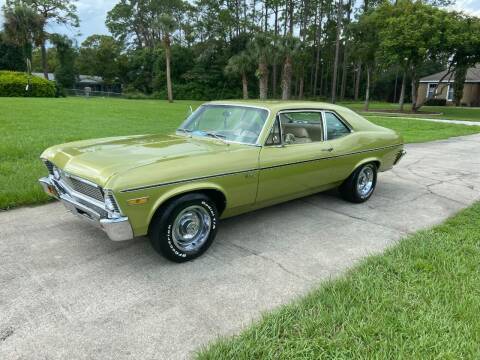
x=450 y=93
x=431 y=90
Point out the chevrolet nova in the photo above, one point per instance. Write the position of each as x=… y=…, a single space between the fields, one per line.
x=226 y=158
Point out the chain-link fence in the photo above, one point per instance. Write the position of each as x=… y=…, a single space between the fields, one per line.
x=90 y=93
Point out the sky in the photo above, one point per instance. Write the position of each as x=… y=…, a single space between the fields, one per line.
x=93 y=13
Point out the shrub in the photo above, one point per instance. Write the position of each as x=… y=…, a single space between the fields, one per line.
x=198 y=91
x=436 y=102
x=14 y=84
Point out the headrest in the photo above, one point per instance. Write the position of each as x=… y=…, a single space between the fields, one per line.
x=299 y=132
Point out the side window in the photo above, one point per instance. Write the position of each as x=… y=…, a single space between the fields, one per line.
x=335 y=127
x=301 y=127
x=274 y=136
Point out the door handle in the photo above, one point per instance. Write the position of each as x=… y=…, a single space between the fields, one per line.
x=330 y=149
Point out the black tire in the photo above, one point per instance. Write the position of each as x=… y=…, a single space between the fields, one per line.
x=349 y=189
x=162 y=227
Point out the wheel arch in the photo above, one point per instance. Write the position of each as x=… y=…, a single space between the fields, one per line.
x=372 y=159
x=214 y=192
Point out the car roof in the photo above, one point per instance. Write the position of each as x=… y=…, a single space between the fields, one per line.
x=276 y=105
x=356 y=121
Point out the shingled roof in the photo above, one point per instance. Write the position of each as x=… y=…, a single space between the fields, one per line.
x=473 y=75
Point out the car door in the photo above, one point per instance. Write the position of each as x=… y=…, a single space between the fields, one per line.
x=291 y=161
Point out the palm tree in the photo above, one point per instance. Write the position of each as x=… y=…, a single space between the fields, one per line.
x=261 y=47
x=240 y=64
x=23 y=28
x=58 y=11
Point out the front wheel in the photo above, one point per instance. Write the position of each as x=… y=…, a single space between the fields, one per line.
x=185 y=228
x=360 y=184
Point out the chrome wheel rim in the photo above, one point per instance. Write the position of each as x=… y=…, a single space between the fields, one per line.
x=365 y=181
x=191 y=228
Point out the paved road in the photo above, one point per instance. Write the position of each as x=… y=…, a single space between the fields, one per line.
x=66 y=291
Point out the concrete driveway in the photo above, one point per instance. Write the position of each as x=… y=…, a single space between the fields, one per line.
x=66 y=291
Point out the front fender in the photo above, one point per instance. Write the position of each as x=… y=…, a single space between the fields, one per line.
x=141 y=215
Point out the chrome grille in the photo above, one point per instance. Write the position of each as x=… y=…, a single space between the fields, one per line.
x=84 y=188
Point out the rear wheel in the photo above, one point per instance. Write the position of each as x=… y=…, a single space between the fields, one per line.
x=185 y=228
x=360 y=184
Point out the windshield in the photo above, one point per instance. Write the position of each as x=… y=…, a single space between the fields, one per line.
x=226 y=122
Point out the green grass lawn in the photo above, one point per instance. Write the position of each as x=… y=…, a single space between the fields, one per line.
x=29 y=125
x=445 y=112
x=415 y=131
x=419 y=300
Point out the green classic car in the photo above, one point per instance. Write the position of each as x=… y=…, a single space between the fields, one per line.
x=226 y=158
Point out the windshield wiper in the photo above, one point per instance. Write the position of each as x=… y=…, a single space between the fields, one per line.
x=216 y=136
x=186 y=131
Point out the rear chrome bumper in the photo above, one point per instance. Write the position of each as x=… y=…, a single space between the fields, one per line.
x=399 y=157
x=117 y=229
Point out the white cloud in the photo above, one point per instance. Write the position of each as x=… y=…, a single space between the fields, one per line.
x=470 y=7
x=92 y=14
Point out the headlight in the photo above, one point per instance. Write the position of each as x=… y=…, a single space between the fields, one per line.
x=56 y=173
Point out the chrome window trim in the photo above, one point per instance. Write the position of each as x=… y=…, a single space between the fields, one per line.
x=277 y=116
x=341 y=119
x=277 y=120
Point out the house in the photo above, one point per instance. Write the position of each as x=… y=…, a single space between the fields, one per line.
x=95 y=83
x=471 y=89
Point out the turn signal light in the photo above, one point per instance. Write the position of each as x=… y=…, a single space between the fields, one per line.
x=138 y=201
x=52 y=191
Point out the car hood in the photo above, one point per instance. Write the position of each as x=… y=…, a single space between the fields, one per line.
x=100 y=159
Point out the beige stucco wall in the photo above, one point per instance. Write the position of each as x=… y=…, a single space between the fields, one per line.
x=471 y=93
x=422 y=92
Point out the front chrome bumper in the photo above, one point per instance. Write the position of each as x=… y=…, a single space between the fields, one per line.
x=117 y=229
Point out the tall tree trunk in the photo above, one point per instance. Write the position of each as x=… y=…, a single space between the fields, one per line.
x=301 y=85
x=244 y=85
x=317 y=55
x=263 y=79
x=168 y=56
x=287 y=78
x=44 y=59
x=395 y=87
x=245 y=21
x=358 y=77
x=274 y=65
x=290 y=17
x=337 y=52
x=345 y=55
x=414 y=89
x=459 y=83
x=266 y=17
x=367 y=90
x=402 y=90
